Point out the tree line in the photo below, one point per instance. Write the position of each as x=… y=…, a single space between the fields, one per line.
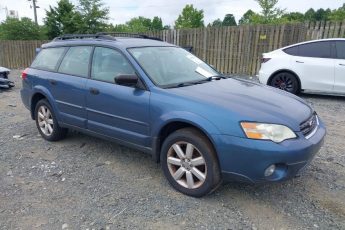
x=91 y=16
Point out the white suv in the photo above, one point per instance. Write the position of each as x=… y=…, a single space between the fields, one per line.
x=315 y=67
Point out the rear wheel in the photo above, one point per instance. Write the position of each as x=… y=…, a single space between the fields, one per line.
x=190 y=163
x=285 y=81
x=46 y=122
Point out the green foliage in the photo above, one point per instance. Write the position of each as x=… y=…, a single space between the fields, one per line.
x=94 y=16
x=20 y=29
x=216 y=23
x=229 y=20
x=157 y=23
x=269 y=12
x=63 y=19
x=294 y=17
x=248 y=17
x=190 y=18
x=138 y=25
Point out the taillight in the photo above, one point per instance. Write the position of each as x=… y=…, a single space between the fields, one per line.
x=264 y=60
x=24 y=74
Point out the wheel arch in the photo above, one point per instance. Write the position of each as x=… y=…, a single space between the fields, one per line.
x=172 y=126
x=287 y=71
x=39 y=94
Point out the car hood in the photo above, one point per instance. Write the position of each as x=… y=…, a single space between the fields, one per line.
x=248 y=101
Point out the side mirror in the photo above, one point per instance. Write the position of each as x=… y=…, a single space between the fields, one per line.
x=127 y=80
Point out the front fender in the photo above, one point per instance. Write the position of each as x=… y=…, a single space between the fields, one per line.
x=195 y=120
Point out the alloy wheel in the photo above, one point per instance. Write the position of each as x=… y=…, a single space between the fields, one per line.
x=186 y=165
x=45 y=120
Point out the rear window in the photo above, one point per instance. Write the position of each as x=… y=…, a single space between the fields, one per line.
x=47 y=59
x=340 y=49
x=76 y=61
x=292 y=51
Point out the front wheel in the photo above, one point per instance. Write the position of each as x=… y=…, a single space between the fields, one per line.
x=285 y=81
x=190 y=163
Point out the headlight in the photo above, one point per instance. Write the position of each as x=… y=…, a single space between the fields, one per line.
x=273 y=132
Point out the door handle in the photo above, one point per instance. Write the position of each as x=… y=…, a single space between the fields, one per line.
x=52 y=82
x=301 y=62
x=342 y=64
x=94 y=91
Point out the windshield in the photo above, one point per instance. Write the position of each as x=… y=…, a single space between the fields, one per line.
x=169 y=66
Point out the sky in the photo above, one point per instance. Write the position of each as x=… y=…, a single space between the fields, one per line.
x=122 y=11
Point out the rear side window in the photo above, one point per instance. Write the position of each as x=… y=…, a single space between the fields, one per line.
x=76 y=61
x=47 y=59
x=109 y=63
x=292 y=51
x=315 y=49
x=340 y=49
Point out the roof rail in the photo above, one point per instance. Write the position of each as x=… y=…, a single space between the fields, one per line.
x=129 y=35
x=84 y=36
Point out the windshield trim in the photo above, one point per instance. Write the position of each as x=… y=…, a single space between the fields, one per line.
x=167 y=85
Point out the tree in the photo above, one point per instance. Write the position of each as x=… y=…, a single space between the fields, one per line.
x=294 y=17
x=310 y=15
x=139 y=24
x=157 y=23
x=94 y=16
x=247 y=18
x=229 y=20
x=269 y=12
x=216 y=23
x=63 y=19
x=322 y=15
x=338 y=14
x=20 y=29
x=190 y=18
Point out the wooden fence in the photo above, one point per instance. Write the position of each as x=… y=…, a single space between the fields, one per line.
x=232 y=50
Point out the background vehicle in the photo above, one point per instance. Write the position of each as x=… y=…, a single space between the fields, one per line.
x=314 y=66
x=161 y=99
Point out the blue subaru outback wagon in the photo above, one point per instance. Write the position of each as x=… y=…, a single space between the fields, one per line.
x=203 y=127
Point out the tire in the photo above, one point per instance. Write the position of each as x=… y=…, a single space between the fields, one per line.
x=190 y=156
x=46 y=122
x=285 y=81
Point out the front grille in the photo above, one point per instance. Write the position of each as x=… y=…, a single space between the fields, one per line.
x=309 y=125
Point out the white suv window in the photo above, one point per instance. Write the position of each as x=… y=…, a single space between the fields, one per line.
x=315 y=49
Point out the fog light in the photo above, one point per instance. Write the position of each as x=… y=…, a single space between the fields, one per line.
x=270 y=170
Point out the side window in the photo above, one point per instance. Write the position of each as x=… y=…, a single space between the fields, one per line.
x=340 y=49
x=76 y=61
x=47 y=59
x=316 y=49
x=292 y=50
x=108 y=63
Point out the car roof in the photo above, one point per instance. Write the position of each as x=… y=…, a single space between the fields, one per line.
x=122 y=42
x=318 y=40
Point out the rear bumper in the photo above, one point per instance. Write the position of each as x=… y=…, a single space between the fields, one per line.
x=243 y=159
x=263 y=76
x=25 y=95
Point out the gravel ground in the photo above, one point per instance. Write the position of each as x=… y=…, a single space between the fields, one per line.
x=86 y=183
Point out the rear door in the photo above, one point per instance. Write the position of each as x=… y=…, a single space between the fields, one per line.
x=113 y=110
x=68 y=85
x=314 y=65
x=339 y=84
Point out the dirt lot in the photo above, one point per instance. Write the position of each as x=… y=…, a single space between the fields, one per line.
x=83 y=182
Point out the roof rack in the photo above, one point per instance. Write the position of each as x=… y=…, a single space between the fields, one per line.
x=104 y=35
x=84 y=36
x=129 y=35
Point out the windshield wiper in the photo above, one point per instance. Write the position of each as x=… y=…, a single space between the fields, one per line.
x=208 y=79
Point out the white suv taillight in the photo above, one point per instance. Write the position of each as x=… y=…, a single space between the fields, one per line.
x=264 y=60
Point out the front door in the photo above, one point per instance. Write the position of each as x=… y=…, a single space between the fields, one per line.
x=339 y=84
x=113 y=110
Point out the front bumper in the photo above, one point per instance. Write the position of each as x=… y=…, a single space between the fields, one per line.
x=243 y=159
